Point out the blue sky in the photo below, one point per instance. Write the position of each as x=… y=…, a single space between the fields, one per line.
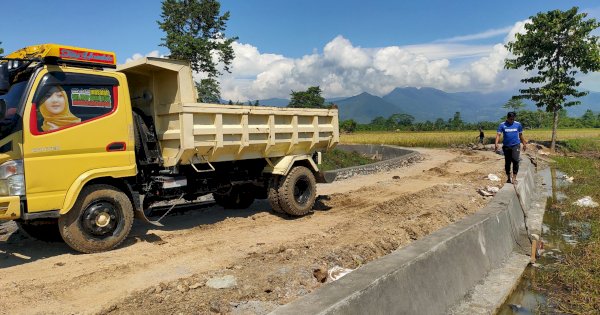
x=344 y=46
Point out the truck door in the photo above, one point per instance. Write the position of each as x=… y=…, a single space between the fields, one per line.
x=74 y=127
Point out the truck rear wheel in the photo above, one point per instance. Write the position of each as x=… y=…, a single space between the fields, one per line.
x=298 y=191
x=239 y=197
x=273 y=194
x=43 y=230
x=99 y=221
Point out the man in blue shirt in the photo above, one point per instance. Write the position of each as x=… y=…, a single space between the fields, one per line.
x=512 y=137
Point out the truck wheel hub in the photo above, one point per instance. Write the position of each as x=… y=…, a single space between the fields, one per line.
x=103 y=219
x=100 y=219
x=302 y=190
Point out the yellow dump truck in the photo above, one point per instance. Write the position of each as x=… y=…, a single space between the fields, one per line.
x=86 y=145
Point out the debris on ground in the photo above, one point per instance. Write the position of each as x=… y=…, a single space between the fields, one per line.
x=484 y=192
x=196 y=285
x=586 y=202
x=493 y=177
x=225 y=282
x=517 y=308
x=337 y=272
x=567 y=178
x=488 y=191
x=476 y=146
x=492 y=189
x=320 y=274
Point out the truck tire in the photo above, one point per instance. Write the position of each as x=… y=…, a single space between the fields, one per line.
x=100 y=219
x=43 y=230
x=298 y=191
x=273 y=194
x=239 y=197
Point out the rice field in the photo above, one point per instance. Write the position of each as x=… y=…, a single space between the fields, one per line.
x=448 y=138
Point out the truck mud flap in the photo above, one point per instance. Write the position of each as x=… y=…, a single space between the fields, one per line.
x=139 y=213
x=138 y=206
x=325 y=177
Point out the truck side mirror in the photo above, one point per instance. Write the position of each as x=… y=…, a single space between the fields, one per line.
x=4 y=78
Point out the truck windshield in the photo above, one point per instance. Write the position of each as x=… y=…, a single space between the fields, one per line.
x=13 y=102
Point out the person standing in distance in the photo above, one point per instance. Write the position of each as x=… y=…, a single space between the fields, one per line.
x=481 y=135
x=512 y=137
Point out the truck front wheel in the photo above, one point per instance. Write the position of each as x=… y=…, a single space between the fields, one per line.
x=298 y=191
x=99 y=221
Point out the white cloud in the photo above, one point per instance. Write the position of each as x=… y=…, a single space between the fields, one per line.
x=483 y=35
x=341 y=52
x=519 y=27
x=343 y=69
x=249 y=61
x=449 y=50
x=487 y=69
x=136 y=56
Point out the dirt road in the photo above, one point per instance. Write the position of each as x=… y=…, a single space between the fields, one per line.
x=262 y=258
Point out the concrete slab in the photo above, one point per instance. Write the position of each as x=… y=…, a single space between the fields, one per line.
x=489 y=295
x=535 y=213
x=388 y=157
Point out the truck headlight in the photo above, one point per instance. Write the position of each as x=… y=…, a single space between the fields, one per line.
x=12 y=178
x=10 y=168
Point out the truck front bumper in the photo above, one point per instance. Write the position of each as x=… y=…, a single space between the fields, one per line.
x=10 y=208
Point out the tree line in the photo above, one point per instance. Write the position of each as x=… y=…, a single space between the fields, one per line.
x=537 y=119
x=249 y=103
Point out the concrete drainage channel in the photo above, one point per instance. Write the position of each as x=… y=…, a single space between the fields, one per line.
x=468 y=267
x=388 y=157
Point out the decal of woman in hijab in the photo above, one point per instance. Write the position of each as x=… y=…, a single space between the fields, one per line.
x=55 y=110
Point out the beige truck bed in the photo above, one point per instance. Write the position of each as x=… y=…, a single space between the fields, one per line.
x=191 y=132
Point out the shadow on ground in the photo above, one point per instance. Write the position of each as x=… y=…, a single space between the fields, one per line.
x=17 y=248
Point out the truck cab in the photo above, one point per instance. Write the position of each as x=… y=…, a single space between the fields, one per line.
x=64 y=124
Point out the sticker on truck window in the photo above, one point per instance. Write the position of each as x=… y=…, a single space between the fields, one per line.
x=91 y=97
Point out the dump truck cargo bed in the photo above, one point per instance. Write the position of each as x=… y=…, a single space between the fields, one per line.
x=217 y=133
x=191 y=132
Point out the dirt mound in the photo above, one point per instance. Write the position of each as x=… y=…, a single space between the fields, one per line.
x=438 y=171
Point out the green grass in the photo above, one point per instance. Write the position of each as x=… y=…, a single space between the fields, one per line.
x=573 y=283
x=337 y=158
x=583 y=145
x=443 y=139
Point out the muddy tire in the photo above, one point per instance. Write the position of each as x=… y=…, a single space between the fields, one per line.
x=43 y=230
x=273 y=194
x=99 y=221
x=298 y=191
x=239 y=197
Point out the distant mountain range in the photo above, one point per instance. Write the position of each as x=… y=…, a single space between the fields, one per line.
x=430 y=104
